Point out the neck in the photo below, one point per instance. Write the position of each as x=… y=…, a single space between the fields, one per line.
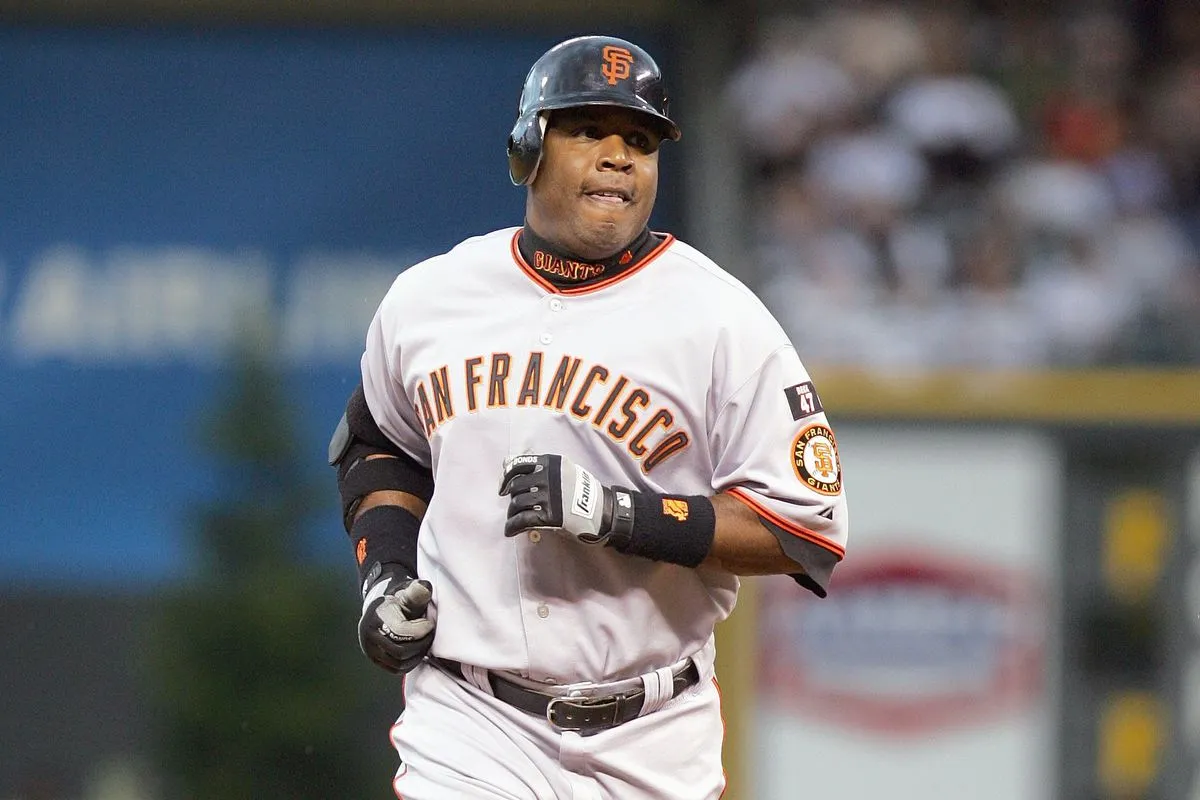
x=563 y=268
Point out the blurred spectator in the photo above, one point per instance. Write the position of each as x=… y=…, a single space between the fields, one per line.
x=785 y=96
x=1176 y=135
x=1082 y=117
x=989 y=321
x=961 y=114
x=879 y=46
x=872 y=181
x=940 y=188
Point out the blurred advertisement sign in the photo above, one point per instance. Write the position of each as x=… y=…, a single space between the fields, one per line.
x=925 y=673
x=909 y=644
x=1189 y=677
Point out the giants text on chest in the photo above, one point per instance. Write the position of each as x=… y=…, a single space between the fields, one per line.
x=616 y=406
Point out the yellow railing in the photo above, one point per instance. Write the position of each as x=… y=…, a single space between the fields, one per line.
x=1118 y=396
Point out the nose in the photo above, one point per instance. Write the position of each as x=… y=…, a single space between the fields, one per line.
x=614 y=154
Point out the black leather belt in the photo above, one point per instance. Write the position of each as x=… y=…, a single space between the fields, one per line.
x=585 y=715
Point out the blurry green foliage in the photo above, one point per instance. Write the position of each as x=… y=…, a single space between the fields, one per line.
x=259 y=685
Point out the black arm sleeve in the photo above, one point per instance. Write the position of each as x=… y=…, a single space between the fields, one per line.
x=356 y=438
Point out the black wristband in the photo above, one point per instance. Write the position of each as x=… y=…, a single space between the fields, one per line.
x=385 y=535
x=678 y=529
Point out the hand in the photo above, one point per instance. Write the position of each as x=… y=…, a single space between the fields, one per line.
x=551 y=491
x=393 y=630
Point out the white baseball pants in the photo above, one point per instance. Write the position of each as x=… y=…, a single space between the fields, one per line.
x=456 y=740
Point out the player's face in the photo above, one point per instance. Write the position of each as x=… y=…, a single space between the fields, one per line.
x=597 y=182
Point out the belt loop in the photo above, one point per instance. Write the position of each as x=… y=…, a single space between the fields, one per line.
x=477 y=677
x=660 y=687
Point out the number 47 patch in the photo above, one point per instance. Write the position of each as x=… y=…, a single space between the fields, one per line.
x=802 y=399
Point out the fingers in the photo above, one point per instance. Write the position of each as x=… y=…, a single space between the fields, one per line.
x=529 y=505
x=414 y=598
x=520 y=465
x=396 y=656
x=527 y=493
x=534 y=486
x=523 y=521
x=395 y=609
x=380 y=655
x=522 y=484
x=399 y=628
x=522 y=478
x=390 y=637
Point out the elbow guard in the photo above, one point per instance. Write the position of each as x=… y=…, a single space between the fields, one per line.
x=355 y=440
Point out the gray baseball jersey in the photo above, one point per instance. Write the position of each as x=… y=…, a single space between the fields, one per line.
x=669 y=377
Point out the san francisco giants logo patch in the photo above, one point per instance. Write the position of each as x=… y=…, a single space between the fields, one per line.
x=675 y=508
x=617 y=61
x=815 y=459
x=360 y=550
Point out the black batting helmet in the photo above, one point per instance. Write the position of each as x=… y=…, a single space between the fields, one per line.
x=586 y=71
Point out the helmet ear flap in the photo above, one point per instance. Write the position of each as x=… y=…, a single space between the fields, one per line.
x=525 y=148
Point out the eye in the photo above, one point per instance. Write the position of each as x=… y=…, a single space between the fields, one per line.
x=639 y=140
x=589 y=131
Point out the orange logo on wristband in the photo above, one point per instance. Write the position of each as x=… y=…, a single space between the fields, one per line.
x=675 y=508
x=360 y=550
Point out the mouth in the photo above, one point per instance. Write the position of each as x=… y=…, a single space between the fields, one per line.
x=609 y=196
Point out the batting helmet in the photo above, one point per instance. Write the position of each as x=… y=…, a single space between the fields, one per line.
x=586 y=71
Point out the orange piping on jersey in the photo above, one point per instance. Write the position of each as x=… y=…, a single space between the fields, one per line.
x=724 y=733
x=392 y=741
x=788 y=525
x=396 y=780
x=552 y=289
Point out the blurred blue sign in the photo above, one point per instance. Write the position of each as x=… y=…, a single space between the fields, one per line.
x=161 y=190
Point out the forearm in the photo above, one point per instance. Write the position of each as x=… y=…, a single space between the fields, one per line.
x=384 y=528
x=743 y=545
x=391 y=497
x=689 y=530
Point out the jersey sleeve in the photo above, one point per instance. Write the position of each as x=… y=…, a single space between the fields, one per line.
x=774 y=450
x=383 y=384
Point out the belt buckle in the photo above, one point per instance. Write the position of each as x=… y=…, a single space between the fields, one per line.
x=582 y=703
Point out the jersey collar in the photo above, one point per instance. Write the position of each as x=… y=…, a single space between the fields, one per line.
x=622 y=271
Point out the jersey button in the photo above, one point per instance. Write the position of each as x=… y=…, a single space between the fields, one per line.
x=543 y=611
x=556 y=304
x=545 y=338
x=535 y=536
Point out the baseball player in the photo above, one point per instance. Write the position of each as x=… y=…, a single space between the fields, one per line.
x=570 y=438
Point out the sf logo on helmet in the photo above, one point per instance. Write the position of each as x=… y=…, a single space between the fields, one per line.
x=616 y=64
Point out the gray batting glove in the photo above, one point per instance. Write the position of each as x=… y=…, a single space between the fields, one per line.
x=552 y=492
x=394 y=631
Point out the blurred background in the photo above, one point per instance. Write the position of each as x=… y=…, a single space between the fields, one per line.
x=979 y=222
